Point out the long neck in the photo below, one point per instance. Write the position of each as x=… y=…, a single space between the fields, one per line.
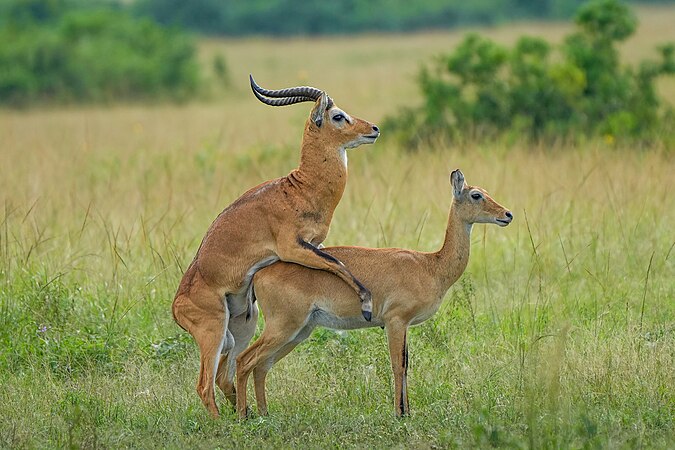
x=322 y=169
x=451 y=260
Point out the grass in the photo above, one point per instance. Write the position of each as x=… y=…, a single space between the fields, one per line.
x=560 y=334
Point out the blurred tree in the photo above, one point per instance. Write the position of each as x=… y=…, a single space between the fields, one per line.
x=287 y=17
x=488 y=90
x=48 y=54
x=206 y=16
x=291 y=17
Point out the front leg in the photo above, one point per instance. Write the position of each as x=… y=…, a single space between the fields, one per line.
x=397 y=337
x=301 y=252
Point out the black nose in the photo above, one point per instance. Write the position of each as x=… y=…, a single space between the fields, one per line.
x=509 y=215
x=375 y=129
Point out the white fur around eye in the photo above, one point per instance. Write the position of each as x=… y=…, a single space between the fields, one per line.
x=337 y=111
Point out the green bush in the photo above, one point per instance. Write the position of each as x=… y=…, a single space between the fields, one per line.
x=98 y=55
x=485 y=90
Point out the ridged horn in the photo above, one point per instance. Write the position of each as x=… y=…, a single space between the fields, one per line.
x=282 y=101
x=311 y=93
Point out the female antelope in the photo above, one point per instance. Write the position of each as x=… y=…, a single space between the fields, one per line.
x=407 y=286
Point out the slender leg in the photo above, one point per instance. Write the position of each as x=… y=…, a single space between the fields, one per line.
x=271 y=340
x=241 y=330
x=398 y=351
x=201 y=311
x=209 y=332
x=259 y=376
x=223 y=378
x=263 y=367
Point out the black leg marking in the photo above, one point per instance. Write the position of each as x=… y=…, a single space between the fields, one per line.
x=320 y=253
x=250 y=300
x=404 y=384
x=405 y=354
x=362 y=289
x=332 y=259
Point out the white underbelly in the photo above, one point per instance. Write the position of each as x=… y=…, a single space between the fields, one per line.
x=425 y=314
x=326 y=319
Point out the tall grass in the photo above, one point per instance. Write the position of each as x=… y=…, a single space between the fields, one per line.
x=560 y=334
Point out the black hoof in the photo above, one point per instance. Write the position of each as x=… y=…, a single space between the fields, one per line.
x=367 y=315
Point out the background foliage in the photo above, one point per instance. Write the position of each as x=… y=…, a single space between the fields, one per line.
x=292 y=17
x=485 y=89
x=55 y=51
x=50 y=52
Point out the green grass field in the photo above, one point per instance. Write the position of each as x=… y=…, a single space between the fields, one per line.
x=561 y=333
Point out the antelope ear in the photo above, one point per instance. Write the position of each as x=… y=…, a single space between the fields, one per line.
x=320 y=109
x=457 y=182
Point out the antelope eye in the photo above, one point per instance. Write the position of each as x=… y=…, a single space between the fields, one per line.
x=476 y=196
x=338 y=117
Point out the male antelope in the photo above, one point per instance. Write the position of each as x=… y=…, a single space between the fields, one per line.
x=283 y=219
x=407 y=286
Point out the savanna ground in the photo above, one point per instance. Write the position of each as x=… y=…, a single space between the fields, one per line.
x=560 y=334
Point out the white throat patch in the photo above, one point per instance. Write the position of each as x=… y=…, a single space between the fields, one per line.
x=343 y=155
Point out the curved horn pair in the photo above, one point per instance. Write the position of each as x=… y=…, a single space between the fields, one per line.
x=283 y=97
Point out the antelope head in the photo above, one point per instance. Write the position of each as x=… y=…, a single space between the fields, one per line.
x=326 y=122
x=474 y=205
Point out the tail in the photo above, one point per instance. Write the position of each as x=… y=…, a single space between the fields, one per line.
x=250 y=300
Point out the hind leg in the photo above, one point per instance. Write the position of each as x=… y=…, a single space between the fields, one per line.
x=242 y=331
x=274 y=337
x=260 y=371
x=222 y=373
x=201 y=311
